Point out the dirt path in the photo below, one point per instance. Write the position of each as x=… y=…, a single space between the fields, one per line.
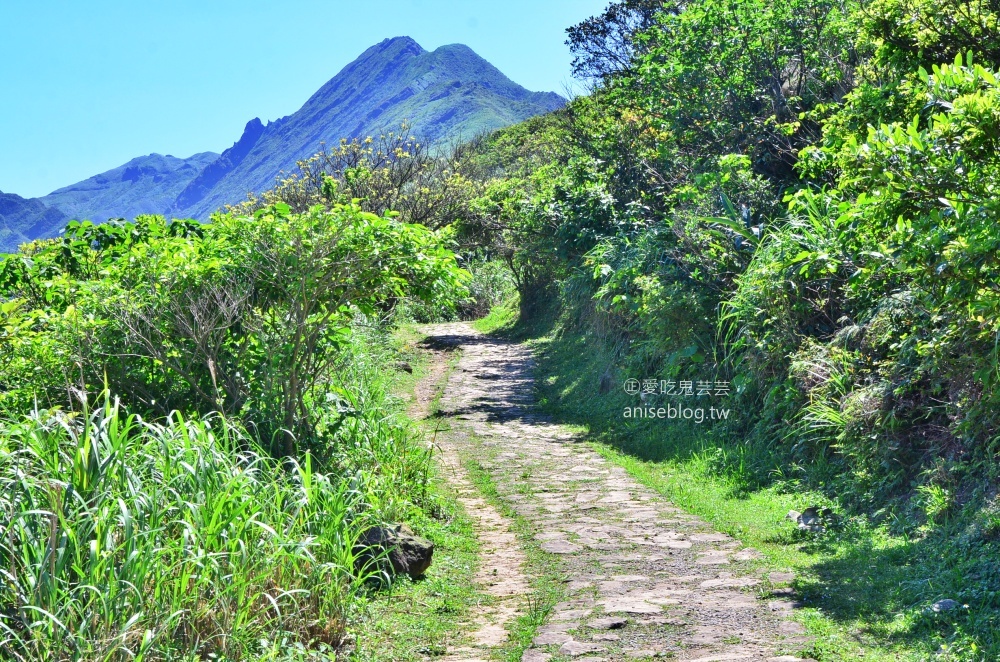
x=644 y=579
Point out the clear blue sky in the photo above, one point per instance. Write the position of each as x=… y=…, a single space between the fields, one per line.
x=88 y=85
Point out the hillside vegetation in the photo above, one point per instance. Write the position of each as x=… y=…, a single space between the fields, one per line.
x=196 y=426
x=796 y=199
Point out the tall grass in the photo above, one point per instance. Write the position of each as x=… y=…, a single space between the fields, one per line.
x=125 y=540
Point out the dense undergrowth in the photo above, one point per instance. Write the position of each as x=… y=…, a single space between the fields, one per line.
x=197 y=424
x=792 y=199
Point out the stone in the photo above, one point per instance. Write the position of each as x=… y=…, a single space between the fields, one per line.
x=577 y=648
x=547 y=638
x=748 y=554
x=607 y=623
x=532 y=655
x=570 y=614
x=629 y=606
x=944 y=605
x=730 y=582
x=407 y=553
x=709 y=537
x=558 y=627
x=560 y=547
x=714 y=557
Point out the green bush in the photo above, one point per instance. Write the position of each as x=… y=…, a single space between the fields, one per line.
x=245 y=316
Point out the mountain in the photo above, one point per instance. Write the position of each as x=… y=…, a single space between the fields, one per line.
x=445 y=94
x=448 y=93
x=145 y=185
x=24 y=219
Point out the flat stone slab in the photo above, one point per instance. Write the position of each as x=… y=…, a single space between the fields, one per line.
x=576 y=648
x=547 y=638
x=629 y=606
x=608 y=623
x=560 y=547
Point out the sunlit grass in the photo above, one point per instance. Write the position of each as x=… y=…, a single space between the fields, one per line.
x=129 y=540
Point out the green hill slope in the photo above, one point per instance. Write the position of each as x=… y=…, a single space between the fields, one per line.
x=448 y=93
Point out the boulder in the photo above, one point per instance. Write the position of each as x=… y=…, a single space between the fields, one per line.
x=406 y=553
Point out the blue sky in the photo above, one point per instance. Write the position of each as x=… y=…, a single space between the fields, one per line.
x=89 y=85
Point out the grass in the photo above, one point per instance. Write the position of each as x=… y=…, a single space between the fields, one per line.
x=122 y=539
x=865 y=592
x=418 y=619
x=500 y=319
x=127 y=540
x=541 y=570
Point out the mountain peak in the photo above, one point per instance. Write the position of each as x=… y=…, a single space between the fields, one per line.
x=394 y=47
x=402 y=42
x=442 y=95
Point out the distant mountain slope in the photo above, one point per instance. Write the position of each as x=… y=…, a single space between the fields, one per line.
x=445 y=94
x=24 y=219
x=448 y=93
x=145 y=185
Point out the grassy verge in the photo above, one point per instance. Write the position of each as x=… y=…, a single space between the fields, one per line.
x=418 y=619
x=866 y=593
x=183 y=539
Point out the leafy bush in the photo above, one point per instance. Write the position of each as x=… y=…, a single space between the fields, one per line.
x=245 y=316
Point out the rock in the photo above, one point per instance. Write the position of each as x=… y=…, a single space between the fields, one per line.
x=575 y=648
x=407 y=553
x=608 y=623
x=944 y=605
x=748 y=554
x=811 y=518
x=629 y=605
x=560 y=547
x=404 y=366
x=546 y=638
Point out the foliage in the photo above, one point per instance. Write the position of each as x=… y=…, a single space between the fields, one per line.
x=245 y=316
x=393 y=172
x=604 y=46
x=795 y=196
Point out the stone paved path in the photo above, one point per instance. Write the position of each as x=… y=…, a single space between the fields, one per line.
x=644 y=580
